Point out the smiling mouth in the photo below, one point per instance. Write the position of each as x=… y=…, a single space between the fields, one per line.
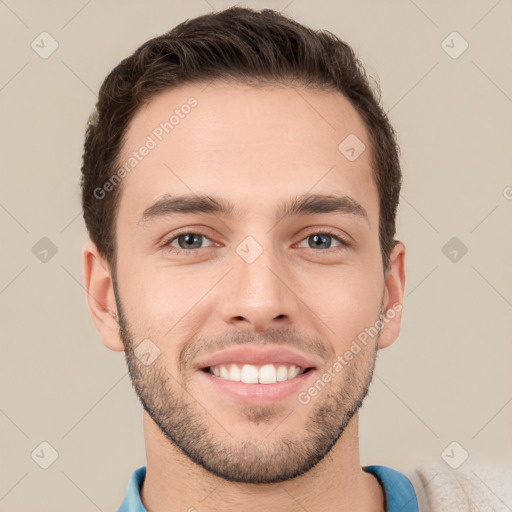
x=256 y=374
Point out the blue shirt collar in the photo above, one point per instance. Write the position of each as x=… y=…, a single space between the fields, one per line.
x=399 y=492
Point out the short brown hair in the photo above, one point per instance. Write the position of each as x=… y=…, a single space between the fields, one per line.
x=247 y=46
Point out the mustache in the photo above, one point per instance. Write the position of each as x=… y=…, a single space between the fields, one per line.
x=283 y=337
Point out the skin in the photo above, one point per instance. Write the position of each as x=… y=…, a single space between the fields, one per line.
x=255 y=147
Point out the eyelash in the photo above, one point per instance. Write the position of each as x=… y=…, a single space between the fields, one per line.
x=167 y=245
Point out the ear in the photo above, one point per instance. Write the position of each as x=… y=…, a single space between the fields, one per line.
x=100 y=296
x=394 y=284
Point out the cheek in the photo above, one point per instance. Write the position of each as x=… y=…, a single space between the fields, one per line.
x=347 y=301
x=147 y=296
x=165 y=303
x=340 y=300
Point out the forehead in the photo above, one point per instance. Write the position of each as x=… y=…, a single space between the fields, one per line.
x=255 y=146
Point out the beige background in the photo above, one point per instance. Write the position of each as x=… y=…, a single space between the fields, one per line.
x=448 y=377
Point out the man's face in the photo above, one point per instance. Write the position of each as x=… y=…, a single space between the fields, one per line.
x=248 y=279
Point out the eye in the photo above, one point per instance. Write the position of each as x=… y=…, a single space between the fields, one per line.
x=190 y=241
x=323 y=239
x=187 y=241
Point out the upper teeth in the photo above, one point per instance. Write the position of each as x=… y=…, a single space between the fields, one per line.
x=250 y=374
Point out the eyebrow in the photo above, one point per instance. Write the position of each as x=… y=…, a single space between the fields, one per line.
x=305 y=204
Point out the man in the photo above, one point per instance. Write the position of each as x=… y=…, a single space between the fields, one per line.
x=240 y=183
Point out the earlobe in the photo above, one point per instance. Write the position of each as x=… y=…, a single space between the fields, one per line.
x=100 y=296
x=394 y=285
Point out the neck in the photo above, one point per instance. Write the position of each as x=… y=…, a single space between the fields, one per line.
x=336 y=484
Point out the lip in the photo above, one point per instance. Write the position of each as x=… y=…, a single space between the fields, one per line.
x=261 y=394
x=257 y=356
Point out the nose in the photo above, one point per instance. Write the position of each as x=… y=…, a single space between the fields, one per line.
x=258 y=294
